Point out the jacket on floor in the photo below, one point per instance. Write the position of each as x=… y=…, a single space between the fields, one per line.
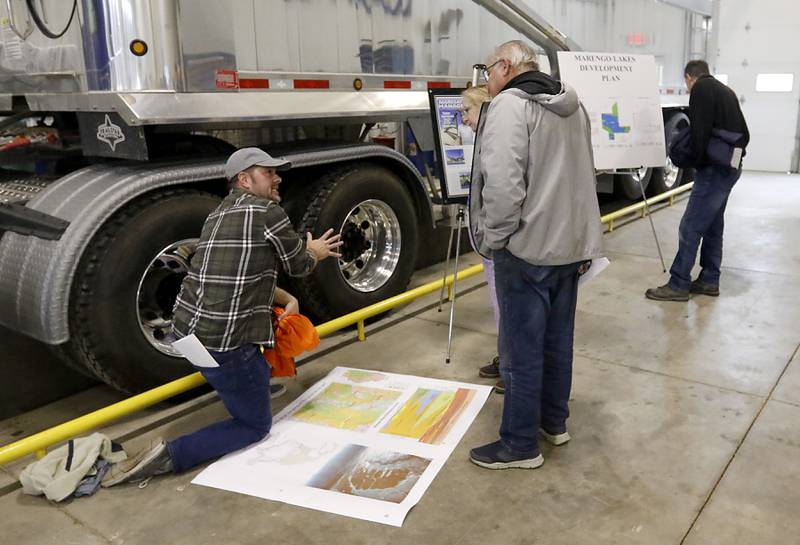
x=58 y=474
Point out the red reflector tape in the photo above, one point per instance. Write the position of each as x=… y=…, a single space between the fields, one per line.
x=312 y=84
x=253 y=83
x=396 y=84
x=226 y=79
x=438 y=85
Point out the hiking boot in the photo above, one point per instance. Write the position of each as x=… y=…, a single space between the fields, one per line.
x=555 y=439
x=499 y=387
x=148 y=462
x=497 y=456
x=702 y=288
x=492 y=370
x=276 y=390
x=666 y=293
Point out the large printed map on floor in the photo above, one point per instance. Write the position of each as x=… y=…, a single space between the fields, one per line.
x=364 y=444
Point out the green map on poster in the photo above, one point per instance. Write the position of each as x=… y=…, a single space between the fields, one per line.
x=346 y=407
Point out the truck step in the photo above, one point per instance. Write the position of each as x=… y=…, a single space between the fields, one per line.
x=21 y=190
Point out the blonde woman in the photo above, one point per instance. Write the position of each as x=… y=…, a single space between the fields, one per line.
x=472 y=100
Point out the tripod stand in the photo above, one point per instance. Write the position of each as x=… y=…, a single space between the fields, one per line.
x=650 y=217
x=460 y=215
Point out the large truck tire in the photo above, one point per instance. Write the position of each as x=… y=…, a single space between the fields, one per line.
x=669 y=177
x=127 y=281
x=628 y=184
x=376 y=215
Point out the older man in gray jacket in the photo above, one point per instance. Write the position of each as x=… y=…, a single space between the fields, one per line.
x=534 y=211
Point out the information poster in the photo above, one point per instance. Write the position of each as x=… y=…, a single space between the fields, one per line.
x=620 y=93
x=454 y=144
x=363 y=444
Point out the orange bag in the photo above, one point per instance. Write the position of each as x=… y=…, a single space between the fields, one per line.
x=293 y=335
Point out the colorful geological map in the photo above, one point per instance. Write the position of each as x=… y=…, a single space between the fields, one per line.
x=357 y=375
x=346 y=407
x=428 y=415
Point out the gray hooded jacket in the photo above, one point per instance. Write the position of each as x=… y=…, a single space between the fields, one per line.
x=533 y=182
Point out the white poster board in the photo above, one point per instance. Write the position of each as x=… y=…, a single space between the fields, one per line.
x=620 y=93
x=454 y=144
x=363 y=444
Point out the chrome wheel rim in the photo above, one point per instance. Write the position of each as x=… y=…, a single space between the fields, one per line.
x=158 y=289
x=670 y=174
x=640 y=173
x=371 y=250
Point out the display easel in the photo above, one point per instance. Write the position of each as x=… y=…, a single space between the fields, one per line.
x=457 y=226
x=452 y=195
x=650 y=217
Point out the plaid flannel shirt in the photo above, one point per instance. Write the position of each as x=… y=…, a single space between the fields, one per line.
x=226 y=299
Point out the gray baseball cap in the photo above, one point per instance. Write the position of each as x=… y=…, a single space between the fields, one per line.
x=248 y=157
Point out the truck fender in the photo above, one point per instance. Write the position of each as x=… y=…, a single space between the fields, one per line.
x=36 y=275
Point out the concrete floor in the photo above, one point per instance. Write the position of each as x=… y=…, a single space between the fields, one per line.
x=685 y=418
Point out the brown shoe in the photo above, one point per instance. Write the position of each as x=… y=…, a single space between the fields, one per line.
x=703 y=288
x=500 y=388
x=148 y=462
x=491 y=370
x=666 y=293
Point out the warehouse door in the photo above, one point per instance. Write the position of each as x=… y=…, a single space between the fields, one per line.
x=758 y=53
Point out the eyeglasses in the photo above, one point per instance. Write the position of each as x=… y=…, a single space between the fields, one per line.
x=488 y=68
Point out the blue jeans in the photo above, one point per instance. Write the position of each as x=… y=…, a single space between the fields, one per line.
x=704 y=219
x=242 y=383
x=537 y=322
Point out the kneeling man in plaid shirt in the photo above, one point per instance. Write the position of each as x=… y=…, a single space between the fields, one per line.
x=226 y=302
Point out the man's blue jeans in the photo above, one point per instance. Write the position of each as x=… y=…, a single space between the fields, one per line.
x=537 y=322
x=242 y=383
x=704 y=219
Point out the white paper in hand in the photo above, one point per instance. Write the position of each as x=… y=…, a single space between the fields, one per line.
x=598 y=266
x=193 y=350
x=736 y=158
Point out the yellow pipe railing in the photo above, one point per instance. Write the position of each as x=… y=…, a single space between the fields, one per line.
x=609 y=219
x=39 y=442
x=358 y=317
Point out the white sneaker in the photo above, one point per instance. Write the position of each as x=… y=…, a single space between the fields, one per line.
x=557 y=439
x=276 y=390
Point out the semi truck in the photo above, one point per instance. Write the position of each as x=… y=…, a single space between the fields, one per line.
x=118 y=115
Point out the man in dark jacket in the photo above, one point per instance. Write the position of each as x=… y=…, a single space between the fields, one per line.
x=713 y=109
